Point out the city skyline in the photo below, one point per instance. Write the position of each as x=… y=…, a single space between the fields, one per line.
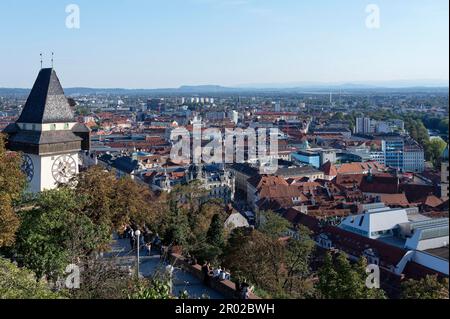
x=230 y=43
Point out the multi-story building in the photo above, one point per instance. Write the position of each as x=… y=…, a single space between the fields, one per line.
x=307 y=157
x=363 y=125
x=218 y=181
x=413 y=157
x=403 y=153
x=404 y=228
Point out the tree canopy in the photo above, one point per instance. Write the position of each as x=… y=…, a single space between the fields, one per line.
x=12 y=184
x=339 y=279
x=429 y=287
x=21 y=283
x=277 y=266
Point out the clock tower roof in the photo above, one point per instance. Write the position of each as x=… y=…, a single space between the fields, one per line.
x=46 y=102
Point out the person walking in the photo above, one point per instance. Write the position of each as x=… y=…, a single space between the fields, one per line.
x=206 y=271
x=132 y=239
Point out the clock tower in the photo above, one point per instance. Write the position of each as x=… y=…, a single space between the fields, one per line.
x=47 y=135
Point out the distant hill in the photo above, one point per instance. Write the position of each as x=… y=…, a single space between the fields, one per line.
x=303 y=87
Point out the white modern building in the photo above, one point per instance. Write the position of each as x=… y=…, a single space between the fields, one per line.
x=404 y=228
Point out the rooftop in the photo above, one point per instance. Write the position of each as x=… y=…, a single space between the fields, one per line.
x=442 y=252
x=46 y=102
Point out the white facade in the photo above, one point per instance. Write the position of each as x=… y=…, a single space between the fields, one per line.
x=44 y=171
x=375 y=223
x=395 y=224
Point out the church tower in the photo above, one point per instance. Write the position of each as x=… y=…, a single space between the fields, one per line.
x=47 y=135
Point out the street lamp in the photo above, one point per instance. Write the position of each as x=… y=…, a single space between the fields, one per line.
x=137 y=233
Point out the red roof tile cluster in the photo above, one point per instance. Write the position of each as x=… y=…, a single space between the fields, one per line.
x=415 y=192
x=329 y=169
x=397 y=200
x=259 y=181
x=360 y=168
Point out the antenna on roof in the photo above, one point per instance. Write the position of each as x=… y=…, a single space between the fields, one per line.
x=41 y=60
x=52 y=59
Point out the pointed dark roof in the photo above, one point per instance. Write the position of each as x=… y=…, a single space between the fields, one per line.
x=46 y=102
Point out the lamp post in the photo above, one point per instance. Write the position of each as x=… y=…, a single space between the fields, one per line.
x=137 y=233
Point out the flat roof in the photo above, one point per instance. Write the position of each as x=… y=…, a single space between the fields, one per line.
x=442 y=252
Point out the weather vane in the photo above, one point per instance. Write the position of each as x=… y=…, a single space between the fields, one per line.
x=41 y=60
x=52 y=59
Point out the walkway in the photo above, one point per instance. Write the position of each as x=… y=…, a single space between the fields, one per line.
x=149 y=265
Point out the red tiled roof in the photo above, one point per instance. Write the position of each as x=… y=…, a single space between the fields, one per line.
x=415 y=193
x=349 y=180
x=380 y=184
x=329 y=169
x=432 y=201
x=395 y=199
x=359 y=168
x=259 y=181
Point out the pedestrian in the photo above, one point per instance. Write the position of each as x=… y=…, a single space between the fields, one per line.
x=205 y=271
x=245 y=290
x=149 y=248
x=132 y=240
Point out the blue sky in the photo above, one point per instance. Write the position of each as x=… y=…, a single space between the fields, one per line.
x=167 y=43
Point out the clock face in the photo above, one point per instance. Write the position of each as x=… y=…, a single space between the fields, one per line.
x=64 y=168
x=27 y=167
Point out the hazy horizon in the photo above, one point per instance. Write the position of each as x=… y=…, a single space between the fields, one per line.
x=231 y=43
x=388 y=84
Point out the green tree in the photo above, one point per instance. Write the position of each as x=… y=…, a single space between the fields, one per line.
x=426 y=288
x=257 y=257
x=328 y=278
x=435 y=149
x=55 y=233
x=178 y=231
x=155 y=289
x=443 y=126
x=273 y=225
x=339 y=279
x=338 y=116
x=215 y=235
x=297 y=259
x=21 y=283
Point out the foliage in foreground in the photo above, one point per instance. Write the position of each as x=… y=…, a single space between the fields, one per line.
x=12 y=184
x=338 y=279
x=426 y=288
x=21 y=283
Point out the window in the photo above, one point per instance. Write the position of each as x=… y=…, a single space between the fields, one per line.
x=66 y=126
x=53 y=127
